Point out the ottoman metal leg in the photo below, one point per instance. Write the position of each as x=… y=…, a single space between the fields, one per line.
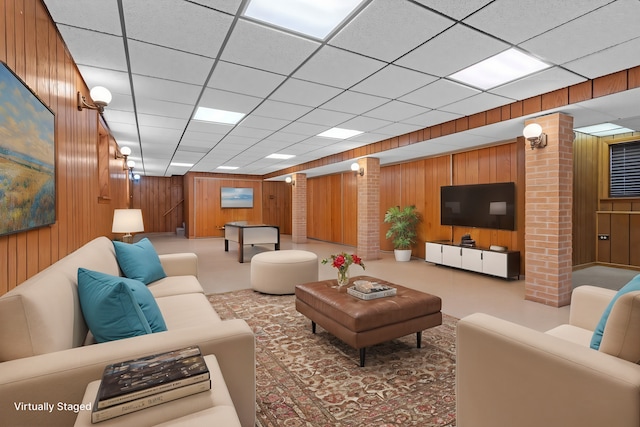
x=419 y=338
x=362 y=354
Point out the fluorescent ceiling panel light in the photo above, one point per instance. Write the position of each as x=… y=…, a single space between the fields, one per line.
x=502 y=68
x=338 y=133
x=310 y=17
x=280 y=156
x=231 y=168
x=604 y=129
x=217 y=116
x=182 y=165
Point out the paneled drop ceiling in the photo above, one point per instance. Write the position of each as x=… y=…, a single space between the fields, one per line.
x=385 y=71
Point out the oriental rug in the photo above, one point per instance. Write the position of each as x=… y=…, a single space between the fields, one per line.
x=304 y=379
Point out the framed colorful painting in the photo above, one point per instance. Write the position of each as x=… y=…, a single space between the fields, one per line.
x=27 y=157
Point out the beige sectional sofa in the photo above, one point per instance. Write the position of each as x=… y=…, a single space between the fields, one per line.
x=47 y=354
x=510 y=375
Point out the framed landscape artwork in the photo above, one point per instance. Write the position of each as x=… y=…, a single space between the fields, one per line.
x=233 y=197
x=27 y=157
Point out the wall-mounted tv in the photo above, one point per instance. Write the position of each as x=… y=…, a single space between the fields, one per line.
x=479 y=205
x=235 y=197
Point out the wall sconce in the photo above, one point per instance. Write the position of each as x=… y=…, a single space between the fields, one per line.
x=357 y=169
x=533 y=133
x=290 y=180
x=101 y=98
x=136 y=177
x=125 y=152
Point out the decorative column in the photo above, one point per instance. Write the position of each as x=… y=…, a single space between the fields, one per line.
x=548 y=213
x=299 y=208
x=369 y=208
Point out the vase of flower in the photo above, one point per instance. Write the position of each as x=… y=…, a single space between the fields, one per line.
x=343 y=276
x=342 y=261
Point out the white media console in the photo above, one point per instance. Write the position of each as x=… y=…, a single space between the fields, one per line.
x=505 y=264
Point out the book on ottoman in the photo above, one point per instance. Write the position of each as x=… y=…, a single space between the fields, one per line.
x=164 y=376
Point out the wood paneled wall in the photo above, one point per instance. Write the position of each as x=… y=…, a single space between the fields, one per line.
x=586 y=163
x=161 y=200
x=204 y=217
x=330 y=198
x=33 y=49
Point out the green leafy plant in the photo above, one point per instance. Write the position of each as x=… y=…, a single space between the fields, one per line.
x=404 y=223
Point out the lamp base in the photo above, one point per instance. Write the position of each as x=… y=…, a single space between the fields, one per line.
x=127 y=238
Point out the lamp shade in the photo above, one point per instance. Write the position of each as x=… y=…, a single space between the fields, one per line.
x=125 y=151
x=355 y=167
x=127 y=221
x=100 y=95
x=532 y=130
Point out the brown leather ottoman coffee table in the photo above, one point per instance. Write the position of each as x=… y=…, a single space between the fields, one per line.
x=363 y=323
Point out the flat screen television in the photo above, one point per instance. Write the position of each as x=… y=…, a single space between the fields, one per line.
x=236 y=197
x=479 y=205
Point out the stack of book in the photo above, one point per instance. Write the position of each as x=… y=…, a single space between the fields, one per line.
x=149 y=381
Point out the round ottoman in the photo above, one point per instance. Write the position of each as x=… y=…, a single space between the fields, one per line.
x=279 y=272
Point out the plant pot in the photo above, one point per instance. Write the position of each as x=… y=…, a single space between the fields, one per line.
x=402 y=254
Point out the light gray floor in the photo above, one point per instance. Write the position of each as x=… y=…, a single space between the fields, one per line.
x=462 y=292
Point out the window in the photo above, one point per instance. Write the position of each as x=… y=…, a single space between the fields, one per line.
x=625 y=169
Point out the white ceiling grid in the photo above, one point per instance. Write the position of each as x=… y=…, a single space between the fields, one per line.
x=383 y=72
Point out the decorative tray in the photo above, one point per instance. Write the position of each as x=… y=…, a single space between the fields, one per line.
x=379 y=291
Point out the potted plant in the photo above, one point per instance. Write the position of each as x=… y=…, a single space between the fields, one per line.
x=404 y=222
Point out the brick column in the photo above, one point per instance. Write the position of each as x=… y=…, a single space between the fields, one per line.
x=299 y=208
x=369 y=209
x=548 y=210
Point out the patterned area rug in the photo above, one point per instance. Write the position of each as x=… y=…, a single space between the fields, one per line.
x=315 y=380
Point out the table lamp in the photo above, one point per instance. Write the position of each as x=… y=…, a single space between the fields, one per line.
x=127 y=221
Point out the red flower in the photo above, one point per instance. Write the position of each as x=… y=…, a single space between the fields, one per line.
x=356 y=259
x=342 y=261
x=338 y=261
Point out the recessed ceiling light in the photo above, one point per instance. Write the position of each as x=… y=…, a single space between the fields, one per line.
x=310 y=17
x=231 y=168
x=604 y=129
x=338 y=133
x=280 y=156
x=217 y=116
x=182 y=165
x=502 y=68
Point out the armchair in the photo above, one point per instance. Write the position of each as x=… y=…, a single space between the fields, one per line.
x=510 y=375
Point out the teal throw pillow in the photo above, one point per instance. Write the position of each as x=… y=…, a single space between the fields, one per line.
x=139 y=261
x=116 y=307
x=596 y=339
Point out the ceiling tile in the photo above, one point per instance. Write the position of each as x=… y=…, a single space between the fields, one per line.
x=266 y=48
x=304 y=93
x=250 y=132
x=354 y=102
x=336 y=67
x=481 y=102
x=438 y=58
x=229 y=6
x=100 y=16
x=245 y=80
x=229 y=101
x=386 y=24
x=254 y=121
x=177 y=24
x=455 y=9
x=165 y=90
x=542 y=82
x=95 y=49
x=163 y=108
x=208 y=128
x=431 y=118
x=365 y=124
x=116 y=81
x=162 y=121
x=395 y=129
x=305 y=129
x=396 y=111
x=156 y=61
x=588 y=34
x=439 y=93
x=392 y=82
x=281 y=110
x=329 y=118
x=506 y=20
x=616 y=58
